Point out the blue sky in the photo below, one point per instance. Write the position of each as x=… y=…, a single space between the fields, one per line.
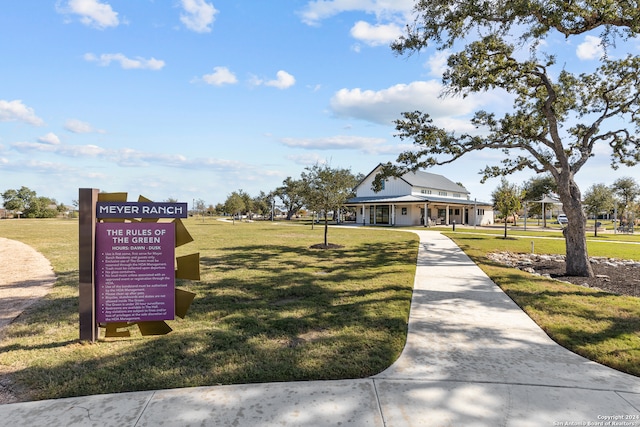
x=193 y=99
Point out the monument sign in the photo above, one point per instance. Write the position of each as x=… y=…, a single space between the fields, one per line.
x=128 y=264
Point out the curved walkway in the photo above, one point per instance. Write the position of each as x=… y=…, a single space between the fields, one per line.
x=472 y=358
x=18 y=261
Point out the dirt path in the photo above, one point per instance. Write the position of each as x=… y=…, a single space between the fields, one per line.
x=25 y=276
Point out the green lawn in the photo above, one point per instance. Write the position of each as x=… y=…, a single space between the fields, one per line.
x=598 y=325
x=268 y=308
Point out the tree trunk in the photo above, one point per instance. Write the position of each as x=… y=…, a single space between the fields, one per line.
x=577 y=259
x=505 y=228
x=326 y=229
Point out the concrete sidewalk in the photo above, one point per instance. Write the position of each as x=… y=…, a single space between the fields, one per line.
x=472 y=358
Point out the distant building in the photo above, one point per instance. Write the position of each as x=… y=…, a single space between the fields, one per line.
x=417 y=198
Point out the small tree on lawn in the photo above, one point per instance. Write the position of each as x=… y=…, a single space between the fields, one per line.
x=326 y=190
x=536 y=189
x=597 y=199
x=199 y=207
x=627 y=190
x=507 y=199
x=18 y=200
x=234 y=205
x=291 y=194
x=262 y=203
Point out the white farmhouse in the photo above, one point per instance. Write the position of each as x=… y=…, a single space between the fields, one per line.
x=406 y=200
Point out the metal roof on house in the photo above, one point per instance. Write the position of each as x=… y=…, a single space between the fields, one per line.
x=424 y=179
x=372 y=200
x=432 y=180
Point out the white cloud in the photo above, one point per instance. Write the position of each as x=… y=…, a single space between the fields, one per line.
x=77 y=126
x=306 y=159
x=50 y=138
x=199 y=15
x=126 y=63
x=92 y=13
x=591 y=48
x=283 y=80
x=437 y=63
x=385 y=106
x=16 y=111
x=339 y=142
x=317 y=10
x=220 y=76
x=128 y=157
x=36 y=166
x=63 y=150
x=375 y=35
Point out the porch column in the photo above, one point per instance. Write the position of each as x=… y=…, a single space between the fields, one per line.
x=475 y=213
x=446 y=215
x=364 y=220
x=426 y=215
x=392 y=220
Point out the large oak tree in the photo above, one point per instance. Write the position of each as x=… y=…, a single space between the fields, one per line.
x=557 y=117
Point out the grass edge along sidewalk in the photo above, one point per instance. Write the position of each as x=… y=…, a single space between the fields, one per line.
x=268 y=308
x=600 y=326
x=42 y=358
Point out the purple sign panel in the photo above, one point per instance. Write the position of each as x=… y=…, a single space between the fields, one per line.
x=135 y=274
x=140 y=210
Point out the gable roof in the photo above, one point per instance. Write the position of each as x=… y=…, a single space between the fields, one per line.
x=424 y=179
x=432 y=180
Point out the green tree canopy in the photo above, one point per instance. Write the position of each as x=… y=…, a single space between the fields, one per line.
x=326 y=190
x=30 y=204
x=18 y=200
x=627 y=190
x=234 y=205
x=291 y=192
x=536 y=189
x=262 y=203
x=557 y=116
x=598 y=199
x=507 y=199
x=41 y=207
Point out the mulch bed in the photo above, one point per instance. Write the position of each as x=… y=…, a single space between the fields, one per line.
x=623 y=280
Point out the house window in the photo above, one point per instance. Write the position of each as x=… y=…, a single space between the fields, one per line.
x=424 y=191
x=382 y=214
x=379 y=215
x=480 y=211
x=458 y=195
x=442 y=193
x=404 y=211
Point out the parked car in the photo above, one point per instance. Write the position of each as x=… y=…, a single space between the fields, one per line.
x=562 y=219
